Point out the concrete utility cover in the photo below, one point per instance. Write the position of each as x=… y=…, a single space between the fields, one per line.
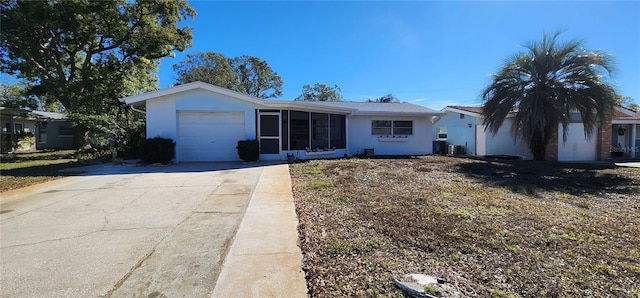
x=144 y=232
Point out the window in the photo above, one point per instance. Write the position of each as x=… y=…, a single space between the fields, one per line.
x=18 y=128
x=42 y=132
x=380 y=127
x=319 y=130
x=65 y=130
x=337 y=129
x=402 y=127
x=299 y=130
x=442 y=133
x=285 y=129
x=386 y=127
x=313 y=130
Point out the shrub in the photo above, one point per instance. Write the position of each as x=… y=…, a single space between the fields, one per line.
x=24 y=140
x=249 y=150
x=157 y=149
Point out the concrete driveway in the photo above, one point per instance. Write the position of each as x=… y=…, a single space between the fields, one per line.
x=156 y=231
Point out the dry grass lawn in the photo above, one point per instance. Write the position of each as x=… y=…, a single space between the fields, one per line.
x=489 y=228
x=24 y=169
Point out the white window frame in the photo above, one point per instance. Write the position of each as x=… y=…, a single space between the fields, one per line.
x=391 y=128
x=441 y=131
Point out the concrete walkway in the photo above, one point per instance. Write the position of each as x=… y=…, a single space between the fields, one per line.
x=184 y=230
x=628 y=164
x=264 y=260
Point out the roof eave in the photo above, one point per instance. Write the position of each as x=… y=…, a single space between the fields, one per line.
x=391 y=113
x=456 y=110
x=140 y=98
x=283 y=104
x=625 y=121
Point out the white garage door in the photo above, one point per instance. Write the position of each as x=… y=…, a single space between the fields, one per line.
x=209 y=136
x=577 y=147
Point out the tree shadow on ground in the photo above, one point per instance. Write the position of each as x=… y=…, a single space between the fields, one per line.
x=23 y=157
x=52 y=170
x=531 y=177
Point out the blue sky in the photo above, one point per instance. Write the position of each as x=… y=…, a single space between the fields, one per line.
x=430 y=53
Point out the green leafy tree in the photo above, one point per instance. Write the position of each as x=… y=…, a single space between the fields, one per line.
x=385 y=99
x=88 y=54
x=82 y=52
x=15 y=96
x=118 y=127
x=627 y=102
x=246 y=74
x=542 y=86
x=320 y=92
x=209 y=67
x=256 y=78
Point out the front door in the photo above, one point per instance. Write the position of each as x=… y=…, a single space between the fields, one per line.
x=269 y=135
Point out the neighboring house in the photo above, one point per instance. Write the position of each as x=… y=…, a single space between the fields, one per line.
x=207 y=121
x=620 y=137
x=51 y=130
x=625 y=134
x=462 y=126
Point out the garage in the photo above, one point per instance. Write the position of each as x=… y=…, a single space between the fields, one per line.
x=209 y=136
x=575 y=148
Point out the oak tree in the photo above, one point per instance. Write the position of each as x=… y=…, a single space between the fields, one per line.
x=83 y=53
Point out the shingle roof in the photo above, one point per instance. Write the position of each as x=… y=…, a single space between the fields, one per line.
x=49 y=115
x=361 y=108
x=617 y=115
x=622 y=116
x=32 y=114
x=471 y=109
x=376 y=107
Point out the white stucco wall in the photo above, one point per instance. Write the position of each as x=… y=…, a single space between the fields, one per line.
x=161 y=118
x=577 y=147
x=359 y=136
x=503 y=143
x=458 y=130
x=162 y=112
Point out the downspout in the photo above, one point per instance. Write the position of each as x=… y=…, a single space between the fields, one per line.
x=346 y=132
x=138 y=110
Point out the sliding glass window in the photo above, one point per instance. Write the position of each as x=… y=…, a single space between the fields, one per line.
x=285 y=129
x=338 y=132
x=299 y=130
x=319 y=131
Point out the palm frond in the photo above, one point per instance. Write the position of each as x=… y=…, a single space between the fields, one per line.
x=545 y=86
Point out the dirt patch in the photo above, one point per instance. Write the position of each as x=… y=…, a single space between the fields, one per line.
x=490 y=228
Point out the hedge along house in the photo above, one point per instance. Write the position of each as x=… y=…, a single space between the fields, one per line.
x=207 y=121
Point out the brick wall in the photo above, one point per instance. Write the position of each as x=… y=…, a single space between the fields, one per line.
x=604 y=140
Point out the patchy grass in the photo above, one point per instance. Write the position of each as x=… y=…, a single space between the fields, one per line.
x=23 y=169
x=502 y=229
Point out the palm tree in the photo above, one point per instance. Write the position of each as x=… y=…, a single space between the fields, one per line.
x=543 y=85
